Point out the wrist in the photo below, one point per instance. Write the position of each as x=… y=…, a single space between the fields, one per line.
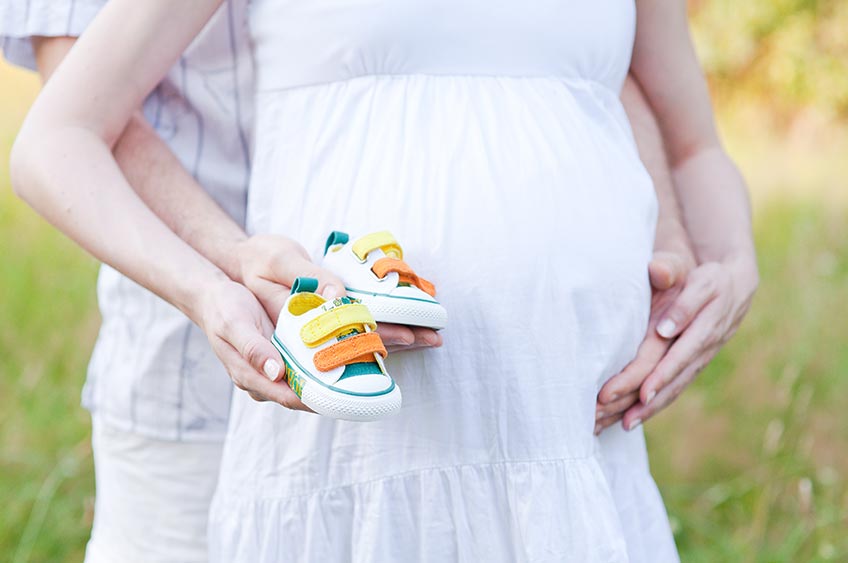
x=672 y=238
x=199 y=289
x=746 y=274
x=232 y=257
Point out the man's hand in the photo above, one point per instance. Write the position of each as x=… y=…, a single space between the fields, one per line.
x=239 y=330
x=269 y=264
x=706 y=314
x=668 y=271
x=684 y=335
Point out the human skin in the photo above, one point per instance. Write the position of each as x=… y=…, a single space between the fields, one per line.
x=715 y=206
x=241 y=341
x=190 y=212
x=77 y=134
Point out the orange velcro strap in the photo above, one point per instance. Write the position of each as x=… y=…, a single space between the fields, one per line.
x=353 y=349
x=385 y=265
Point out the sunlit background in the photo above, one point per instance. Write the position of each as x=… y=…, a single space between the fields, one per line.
x=752 y=461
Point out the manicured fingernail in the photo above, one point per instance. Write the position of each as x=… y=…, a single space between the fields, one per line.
x=666 y=328
x=272 y=369
x=635 y=424
x=650 y=396
x=599 y=415
x=329 y=292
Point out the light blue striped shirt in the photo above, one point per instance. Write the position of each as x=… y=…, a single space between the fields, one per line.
x=152 y=371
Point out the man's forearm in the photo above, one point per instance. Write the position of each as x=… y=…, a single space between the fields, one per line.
x=671 y=235
x=161 y=181
x=172 y=193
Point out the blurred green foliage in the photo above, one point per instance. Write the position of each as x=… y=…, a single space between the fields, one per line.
x=752 y=461
x=780 y=53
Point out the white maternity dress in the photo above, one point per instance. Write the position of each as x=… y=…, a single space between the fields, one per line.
x=488 y=136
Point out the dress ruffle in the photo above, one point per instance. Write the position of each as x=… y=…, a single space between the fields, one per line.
x=510 y=512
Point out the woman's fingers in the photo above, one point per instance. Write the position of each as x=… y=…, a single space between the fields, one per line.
x=641 y=412
x=701 y=288
x=259 y=387
x=698 y=337
x=255 y=348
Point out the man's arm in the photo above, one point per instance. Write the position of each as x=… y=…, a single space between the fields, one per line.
x=713 y=198
x=673 y=259
x=63 y=166
x=264 y=264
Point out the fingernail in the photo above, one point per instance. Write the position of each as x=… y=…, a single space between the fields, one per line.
x=650 y=396
x=666 y=328
x=635 y=424
x=599 y=415
x=272 y=369
x=597 y=430
x=329 y=291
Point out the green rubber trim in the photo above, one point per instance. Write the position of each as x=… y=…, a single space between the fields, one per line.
x=352 y=290
x=336 y=237
x=287 y=356
x=304 y=285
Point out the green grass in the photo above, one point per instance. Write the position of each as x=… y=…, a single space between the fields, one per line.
x=752 y=460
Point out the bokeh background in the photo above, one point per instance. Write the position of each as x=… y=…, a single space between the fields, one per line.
x=752 y=461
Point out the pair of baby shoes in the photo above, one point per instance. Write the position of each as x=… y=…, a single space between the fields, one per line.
x=333 y=357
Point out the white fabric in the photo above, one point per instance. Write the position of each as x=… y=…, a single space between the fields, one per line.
x=152 y=498
x=152 y=371
x=490 y=139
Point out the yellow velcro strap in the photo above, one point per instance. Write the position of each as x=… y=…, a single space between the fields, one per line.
x=335 y=321
x=384 y=240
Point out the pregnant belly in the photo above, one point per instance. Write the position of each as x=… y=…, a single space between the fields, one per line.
x=524 y=202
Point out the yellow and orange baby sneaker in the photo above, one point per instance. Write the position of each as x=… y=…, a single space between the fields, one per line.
x=374 y=273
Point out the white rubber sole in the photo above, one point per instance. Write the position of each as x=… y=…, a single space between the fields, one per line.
x=330 y=403
x=336 y=404
x=402 y=311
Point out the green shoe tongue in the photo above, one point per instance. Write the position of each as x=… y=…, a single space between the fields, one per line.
x=359 y=368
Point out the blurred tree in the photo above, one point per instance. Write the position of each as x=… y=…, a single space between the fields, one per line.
x=784 y=53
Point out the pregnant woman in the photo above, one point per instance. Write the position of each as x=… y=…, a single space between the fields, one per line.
x=490 y=138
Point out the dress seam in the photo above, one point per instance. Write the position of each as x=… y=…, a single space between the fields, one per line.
x=436 y=468
x=574 y=81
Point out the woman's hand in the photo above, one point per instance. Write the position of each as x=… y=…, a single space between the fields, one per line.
x=667 y=272
x=239 y=330
x=269 y=264
x=702 y=317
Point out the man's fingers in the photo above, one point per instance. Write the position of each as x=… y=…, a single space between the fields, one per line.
x=699 y=291
x=287 y=269
x=272 y=295
x=395 y=335
x=604 y=423
x=402 y=337
x=427 y=337
x=616 y=407
x=666 y=269
x=633 y=375
x=641 y=412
